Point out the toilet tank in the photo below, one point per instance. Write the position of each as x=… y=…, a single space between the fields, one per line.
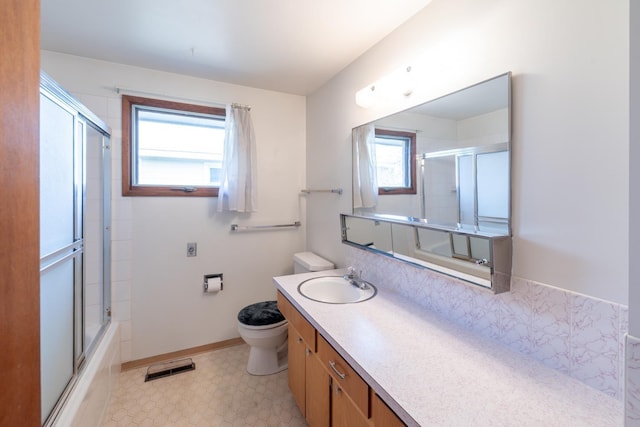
x=305 y=262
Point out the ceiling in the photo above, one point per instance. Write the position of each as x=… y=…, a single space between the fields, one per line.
x=292 y=46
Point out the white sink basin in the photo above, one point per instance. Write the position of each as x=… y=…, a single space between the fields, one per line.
x=335 y=290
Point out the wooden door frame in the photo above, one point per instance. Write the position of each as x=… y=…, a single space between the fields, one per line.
x=19 y=213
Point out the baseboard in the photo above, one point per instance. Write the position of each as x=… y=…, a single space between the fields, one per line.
x=133 y=364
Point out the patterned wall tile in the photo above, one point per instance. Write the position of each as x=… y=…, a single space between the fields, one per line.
x=632 y=381
x=484 y=316
x=551 y=318
x=516 y=320
x=594 y=346
x=574 y=334
x=622 y=341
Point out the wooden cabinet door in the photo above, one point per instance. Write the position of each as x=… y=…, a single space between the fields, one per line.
x=297 y=371
x=318 y=392
x=383 y=415
x=344 y=413
x=344 y=375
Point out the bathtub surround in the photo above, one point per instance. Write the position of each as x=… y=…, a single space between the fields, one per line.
x=91 y=395
x=580 y=336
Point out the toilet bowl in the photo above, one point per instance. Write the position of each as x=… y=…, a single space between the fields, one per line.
x=264 y=328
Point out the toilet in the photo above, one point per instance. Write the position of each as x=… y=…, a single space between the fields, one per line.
x=264 y=328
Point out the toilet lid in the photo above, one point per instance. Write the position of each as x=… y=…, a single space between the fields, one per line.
x=260 y=314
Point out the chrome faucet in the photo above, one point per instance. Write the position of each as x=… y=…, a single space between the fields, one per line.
x=355 y=279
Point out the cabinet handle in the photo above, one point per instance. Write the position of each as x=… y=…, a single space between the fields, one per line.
x=332 y=364
x=299 y=339
x=307 y=351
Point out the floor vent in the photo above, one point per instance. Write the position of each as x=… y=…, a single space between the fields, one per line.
x=165 y=369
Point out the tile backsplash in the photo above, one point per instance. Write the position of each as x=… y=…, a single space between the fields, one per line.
x=580 y=336
x=632 y=403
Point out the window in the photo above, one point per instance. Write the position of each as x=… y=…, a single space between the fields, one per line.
x=395 y=161
x=170 y=148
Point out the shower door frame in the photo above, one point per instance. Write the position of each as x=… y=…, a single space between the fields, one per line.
x=83 y=120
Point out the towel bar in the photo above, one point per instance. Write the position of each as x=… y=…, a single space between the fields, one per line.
x=236 y=227
x=333 y=190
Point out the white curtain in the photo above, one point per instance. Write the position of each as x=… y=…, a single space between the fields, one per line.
x=238 y=187
x=365 y=177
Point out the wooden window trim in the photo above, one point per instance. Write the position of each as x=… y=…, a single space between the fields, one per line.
x=128 y=189
x=386 y=191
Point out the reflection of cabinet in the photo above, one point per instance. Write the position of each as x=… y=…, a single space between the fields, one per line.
x=325 y=387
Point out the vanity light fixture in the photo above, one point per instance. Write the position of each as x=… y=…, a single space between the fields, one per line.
x=365 y=97
x=390 y=88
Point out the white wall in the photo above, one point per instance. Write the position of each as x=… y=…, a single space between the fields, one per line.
x=570 y=127
x=157 y=291
x=634 y=172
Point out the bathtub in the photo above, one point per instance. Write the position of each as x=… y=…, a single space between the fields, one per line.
x=88 y=400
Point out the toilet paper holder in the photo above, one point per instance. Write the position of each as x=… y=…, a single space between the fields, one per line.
x=205 y=283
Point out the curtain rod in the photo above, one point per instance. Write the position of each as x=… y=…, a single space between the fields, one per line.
x=124 y=90
x=241 y=106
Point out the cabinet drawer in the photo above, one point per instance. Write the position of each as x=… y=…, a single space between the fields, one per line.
x=352 y=384
x=304 y=328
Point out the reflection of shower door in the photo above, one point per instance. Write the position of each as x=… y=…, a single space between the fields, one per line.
x=483 y=189
x=439 y=202
x=466 y=184
x=468 y=187
x=74 y=242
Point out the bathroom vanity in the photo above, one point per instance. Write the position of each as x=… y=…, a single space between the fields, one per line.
x=327 y=390
x=388 y=361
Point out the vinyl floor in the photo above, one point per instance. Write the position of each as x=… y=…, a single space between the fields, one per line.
x=218 y=393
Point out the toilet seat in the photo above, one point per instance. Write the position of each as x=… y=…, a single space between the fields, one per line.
x=261 y=315
x=263 y=327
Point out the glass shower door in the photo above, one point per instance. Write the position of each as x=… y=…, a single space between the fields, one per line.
x=61 y=247
x=97 y=236
x=75 y=240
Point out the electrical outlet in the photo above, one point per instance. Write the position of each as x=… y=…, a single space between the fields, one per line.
x=192 y=249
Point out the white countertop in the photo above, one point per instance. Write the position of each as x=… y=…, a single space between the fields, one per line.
x=434 y=373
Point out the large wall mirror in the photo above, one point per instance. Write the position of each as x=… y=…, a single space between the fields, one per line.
x=432 y=184
x=445 y=162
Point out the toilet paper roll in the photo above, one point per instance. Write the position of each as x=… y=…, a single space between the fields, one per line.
x=213 y=285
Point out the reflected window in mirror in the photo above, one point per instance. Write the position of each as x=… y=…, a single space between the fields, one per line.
x=396 y=167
